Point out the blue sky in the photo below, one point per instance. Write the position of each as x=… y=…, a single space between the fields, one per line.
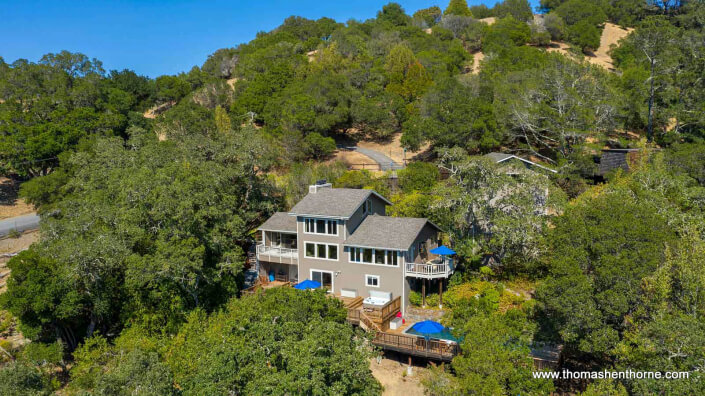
x=161 y=37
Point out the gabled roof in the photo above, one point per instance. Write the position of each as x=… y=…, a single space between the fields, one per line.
x=280 y=221
x=333 y=202
x=385 y=232
x=502 y=157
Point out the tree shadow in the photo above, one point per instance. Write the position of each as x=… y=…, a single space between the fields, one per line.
x=8 y=191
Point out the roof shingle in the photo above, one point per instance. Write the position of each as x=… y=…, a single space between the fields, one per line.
x=387 y=232
x=331 y=202
x=280 y=221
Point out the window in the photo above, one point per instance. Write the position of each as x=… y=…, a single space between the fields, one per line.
x=379 y=256
x=372 y=280
x=321 y=226
x=310 y=250
x=374 y=256
x=367 y=255
x=321 y=251
x=392 y=257
x=355 y=254
x=368 y=207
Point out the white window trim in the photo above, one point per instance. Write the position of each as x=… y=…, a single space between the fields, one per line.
x=374 y=253
x=368 y=276
x=332 y=278
x=315 y=226
x=337 y=248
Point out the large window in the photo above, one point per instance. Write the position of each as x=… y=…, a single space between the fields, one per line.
x=320 y=226
x=374 y=256
x=325 y=251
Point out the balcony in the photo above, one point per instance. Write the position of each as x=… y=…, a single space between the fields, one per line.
x=276 y=254
x=435 y=269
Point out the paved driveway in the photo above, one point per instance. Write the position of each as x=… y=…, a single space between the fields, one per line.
x=385 y=163
x=19 y=223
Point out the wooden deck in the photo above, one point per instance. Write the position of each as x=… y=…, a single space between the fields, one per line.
x=417 y=346
x=265 y=286
x=377 y=321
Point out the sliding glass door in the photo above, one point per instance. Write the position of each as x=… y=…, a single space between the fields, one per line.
x=325 y=278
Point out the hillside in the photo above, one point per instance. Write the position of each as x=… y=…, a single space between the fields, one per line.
x=570 y=192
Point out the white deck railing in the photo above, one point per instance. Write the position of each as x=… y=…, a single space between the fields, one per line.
x=430 y=269
x=277 y=254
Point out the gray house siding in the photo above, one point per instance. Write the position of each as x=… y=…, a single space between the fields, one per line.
x=429 y=235
x=379 y=207
x=351 y=275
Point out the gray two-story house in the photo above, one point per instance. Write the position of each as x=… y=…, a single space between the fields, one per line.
x=343 y=239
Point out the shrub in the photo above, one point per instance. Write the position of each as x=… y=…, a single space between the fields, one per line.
x=14 y=234
x=415 y=298
x=354 y=179
x=432 y=299
x=540 y=38
x=418 y=176
x=506 y=32
x=576 y=11
x=584 y=35
x=429 y=16
x=21 y=379
x=555 y=26
x=481 y=11
x=6 y=322
x=458 y=7
x=319 y=146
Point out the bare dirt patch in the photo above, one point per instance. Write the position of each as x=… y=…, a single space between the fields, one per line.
x=611 y=35
x=489 y=20
x=311 y=55
x=560 y=47
x=392 y=148
x=477 y=57
x=16 y=245
x=19 y=208
x=390 y=373
x=158 y=109
x=232 y=82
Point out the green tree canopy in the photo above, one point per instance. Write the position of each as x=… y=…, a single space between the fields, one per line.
x=281 y=341
x=458 y=7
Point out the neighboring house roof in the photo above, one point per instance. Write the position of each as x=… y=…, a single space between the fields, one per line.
x=280 y=221
x=502 y=157
x=387 y=232
x=333 y=202
x=612 y=159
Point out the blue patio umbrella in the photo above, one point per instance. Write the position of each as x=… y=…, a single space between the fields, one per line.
x=443 y=250
x=307 y=284
x=428 y=327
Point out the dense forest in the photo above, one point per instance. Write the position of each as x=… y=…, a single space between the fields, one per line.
x=149 y=192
